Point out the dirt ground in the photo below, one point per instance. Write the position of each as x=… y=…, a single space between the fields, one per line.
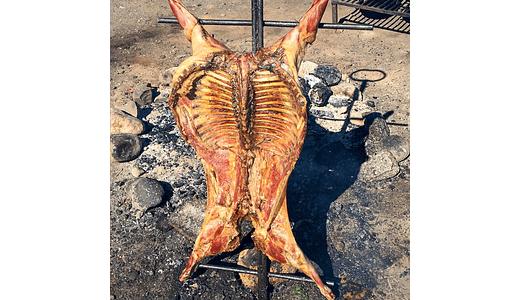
x=369 y=257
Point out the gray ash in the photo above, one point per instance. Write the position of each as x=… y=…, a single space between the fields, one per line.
x=146 y=162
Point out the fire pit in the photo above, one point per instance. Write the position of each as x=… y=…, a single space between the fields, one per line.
x=328 y=204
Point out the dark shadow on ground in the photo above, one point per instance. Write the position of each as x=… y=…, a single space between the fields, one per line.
x=325 y=169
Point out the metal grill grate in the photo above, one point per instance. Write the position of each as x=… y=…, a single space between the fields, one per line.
x=392 y=23
x=390 y=7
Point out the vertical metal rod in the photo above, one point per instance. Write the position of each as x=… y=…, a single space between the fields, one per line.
x=263 y=281
x=254 y=24
x=334 y=13
x=257 y=16
x=257 y=19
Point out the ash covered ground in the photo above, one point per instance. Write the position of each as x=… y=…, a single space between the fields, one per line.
x=355 y=227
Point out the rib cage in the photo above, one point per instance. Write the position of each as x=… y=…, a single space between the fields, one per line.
x=266 y=114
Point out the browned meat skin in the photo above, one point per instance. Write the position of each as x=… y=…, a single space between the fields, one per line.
x=245 y=116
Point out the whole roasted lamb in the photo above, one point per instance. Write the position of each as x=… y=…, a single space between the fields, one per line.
x=245 y=116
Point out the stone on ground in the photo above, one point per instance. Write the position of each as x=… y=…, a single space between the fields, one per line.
x=121 y=122
x=381 y=166
x=129 y=106
x=397 y=145
x=143 y=94
x=188 y=219
x=377 y=131
x=339 y=101
x=307 y=67
x=346 y=89
x=124 y=147
x=312 y=80
x=319 y=94
x=331 y=75
x=145 y=193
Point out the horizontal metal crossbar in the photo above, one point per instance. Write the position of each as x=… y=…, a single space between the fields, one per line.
x=270 y=23
x=240 y=269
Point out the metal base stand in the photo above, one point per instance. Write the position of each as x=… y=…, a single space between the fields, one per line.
x=262 y=274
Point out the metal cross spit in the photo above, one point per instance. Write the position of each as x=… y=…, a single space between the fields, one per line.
x=257 y=22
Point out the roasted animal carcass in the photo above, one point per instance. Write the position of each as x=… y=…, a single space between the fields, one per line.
x=245 y=116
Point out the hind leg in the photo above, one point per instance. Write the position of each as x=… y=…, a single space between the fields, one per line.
x=278 y=244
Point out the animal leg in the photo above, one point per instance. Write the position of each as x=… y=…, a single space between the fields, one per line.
x=279 y=245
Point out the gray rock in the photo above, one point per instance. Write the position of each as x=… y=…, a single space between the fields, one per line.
x=379 y=167
x=188 y=219
x=143 y=94
x=124 y=146
x=346 y=89
x=318 y=113
x=145 y=193
x=136 y=171
x=307 y=67
x=319 y=94
x=130 y=107
x=398 y=146
x=312 y=80
x=339 y=101
x=377 y=131
x=121 y=122
x=331 y=75
x=379 y=139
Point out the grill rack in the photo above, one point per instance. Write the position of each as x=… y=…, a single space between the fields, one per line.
x=390 y=7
